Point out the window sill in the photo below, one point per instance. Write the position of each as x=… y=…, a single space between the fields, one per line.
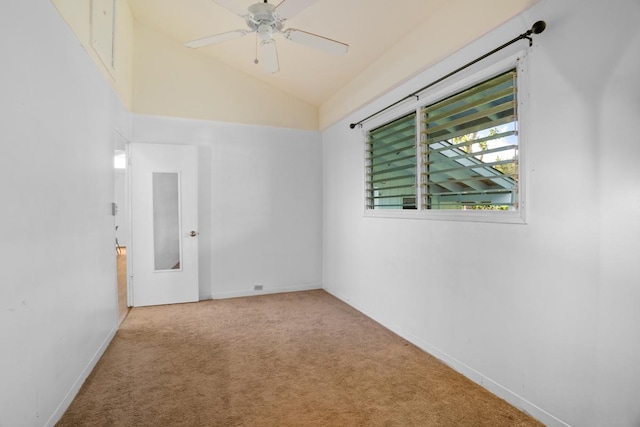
x=506 y=217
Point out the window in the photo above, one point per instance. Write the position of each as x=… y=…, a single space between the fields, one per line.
x=470 y=148
x=462 y=155
x=391 y=165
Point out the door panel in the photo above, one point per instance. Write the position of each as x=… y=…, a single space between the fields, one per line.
x=164 y=224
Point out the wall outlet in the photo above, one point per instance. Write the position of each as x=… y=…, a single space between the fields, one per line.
x=257 y=288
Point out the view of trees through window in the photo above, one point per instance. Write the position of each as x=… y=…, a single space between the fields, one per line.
x=481 y=148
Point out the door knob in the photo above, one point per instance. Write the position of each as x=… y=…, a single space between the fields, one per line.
x=193 y=233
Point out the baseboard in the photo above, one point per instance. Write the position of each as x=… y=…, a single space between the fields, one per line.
x=204 y=297
x=64 y=405
x=475 y=376
x=264 y=291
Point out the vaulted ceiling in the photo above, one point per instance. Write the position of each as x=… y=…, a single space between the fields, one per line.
x=371 y=28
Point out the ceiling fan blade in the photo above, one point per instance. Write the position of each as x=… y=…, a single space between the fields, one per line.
x=317 y=42
x=269 y=56
x=288 y=9
x=233 y=7
x=205 y=41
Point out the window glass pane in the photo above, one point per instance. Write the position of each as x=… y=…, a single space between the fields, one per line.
x=391 y=165
x=470 y=148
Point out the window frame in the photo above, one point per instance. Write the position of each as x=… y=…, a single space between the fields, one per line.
x=456 y=84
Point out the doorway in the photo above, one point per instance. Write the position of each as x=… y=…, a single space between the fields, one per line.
x=121 y=226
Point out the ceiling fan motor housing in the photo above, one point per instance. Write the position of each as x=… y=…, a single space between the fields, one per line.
x=261 y=15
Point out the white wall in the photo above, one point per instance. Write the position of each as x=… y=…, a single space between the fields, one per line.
x=555 y=330
x=260 y=211
x=58 y=287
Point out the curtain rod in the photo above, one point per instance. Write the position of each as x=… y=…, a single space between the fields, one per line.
x=536 y=28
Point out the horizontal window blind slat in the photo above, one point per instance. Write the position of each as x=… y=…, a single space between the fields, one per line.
x=464 y=155
x=393 y=196
x=376 y=143
x=475 y=141
x=456 y=205
x=489 y=203
x=470 y=192
x=489 y=97
x=496 y=81
x=395 y=187
x=394 y=169
x=394 y=206
x=466 y=203
x=393 y=134
x=374 y=154
x=395 y=178
x=465 y=174
x=483 y=166
x=394 y=160
x=484 y=114
x=392 y=125
x=467 y=131
x=467 y=182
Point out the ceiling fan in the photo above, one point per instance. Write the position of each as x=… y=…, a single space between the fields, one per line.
x=266 y=20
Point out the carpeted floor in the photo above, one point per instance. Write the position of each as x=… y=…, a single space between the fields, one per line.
x=295 y=359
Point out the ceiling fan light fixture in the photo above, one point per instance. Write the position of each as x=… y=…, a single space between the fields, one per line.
x=265 y=31
x=269 y=56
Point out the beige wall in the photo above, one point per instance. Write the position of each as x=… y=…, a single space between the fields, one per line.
x=77 y=14
x=428 y=44
x=171 y=80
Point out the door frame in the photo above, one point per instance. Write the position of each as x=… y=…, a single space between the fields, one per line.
x=130 y=248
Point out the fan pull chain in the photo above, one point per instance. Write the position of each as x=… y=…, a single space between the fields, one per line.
x=255 y=61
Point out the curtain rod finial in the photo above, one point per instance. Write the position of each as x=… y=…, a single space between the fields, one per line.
x=538 y=27
x=353 y=125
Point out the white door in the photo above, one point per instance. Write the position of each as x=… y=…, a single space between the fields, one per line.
x=164 y=224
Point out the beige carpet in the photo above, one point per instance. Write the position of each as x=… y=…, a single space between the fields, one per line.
x=296 y=359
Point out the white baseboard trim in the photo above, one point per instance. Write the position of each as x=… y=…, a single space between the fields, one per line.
x=475 y=376
x=64 y=405
x=264 y=291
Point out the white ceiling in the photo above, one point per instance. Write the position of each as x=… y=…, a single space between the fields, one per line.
x=370 y=27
